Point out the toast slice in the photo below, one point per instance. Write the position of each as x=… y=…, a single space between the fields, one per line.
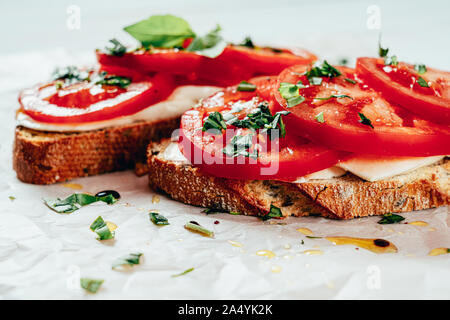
x=49 y=157
x=345 y=197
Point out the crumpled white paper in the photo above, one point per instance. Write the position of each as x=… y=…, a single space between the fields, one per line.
x=43 y=254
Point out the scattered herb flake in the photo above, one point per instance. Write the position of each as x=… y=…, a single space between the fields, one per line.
x=117 y=49
x=391 y=61
x=290 y=92
x=246 y=86
x=129 y=260
x=76 y=201
x=312 y=237
x=334 y=96
x=420 y=68
x=108 y=80
x=320 y=117
x=323 y=70
x=390 y=218
x=214 y=121
x=183 y=273
x=100 y=227
x=12 y=198
x=382 y=52
x=274 y=212
x=193 y=227
x=350 y=80
x=422 y=82
x=240 y=146
x=364 y=120
x=158 y=219
x=91 y=285
x=247 y=42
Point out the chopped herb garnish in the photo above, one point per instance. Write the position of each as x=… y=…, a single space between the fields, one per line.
x=343 y=62
x=162 y=31
x=70 y=74
x=128 y=260
x=214 y=121
x=312 y=237
x=350 y=80
x=240 y=145
x=420 y=68
x=234 y=213
x=117 y=49
x=382 y=52
x=390 y=218
x=193 y=227
x=334 y=96
x=247 y=43
x=422 y=82
x=100 y=227
x=246 y=86
x=76 y=201
x=158 y=219
x=91 y=285
x=12 y=198
x=320 y=117
x=210 y=45
x=183 y=273
x=364 y=120
x=323 y=70
x=118 y=81
x=274 y=212
x=391 y=61
x=291 y=93
x=315 y=81
x=214 y=210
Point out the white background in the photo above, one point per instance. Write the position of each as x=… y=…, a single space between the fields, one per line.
x=42 y=253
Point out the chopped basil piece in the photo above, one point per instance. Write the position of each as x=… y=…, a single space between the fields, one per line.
x=100 y=227
x=214 y=121
x=12 y=198
x=213 y=210
x=75 y=202
x=390 y=218
x=211 y=45
x=422 y=82
x=312 y=237
x=323 y=70
x=183 y=273
x=70 y=74
x=117 y=49
x=247 y=43
x=128 y=260
x=162 y=31
x=382 y=52
x=364 y=120
x=274 y=212
x=391 y=61
x=420 y=68
x=158 y=219
x=91 y=285
x=343 y=62
x=121 y=82
x=320 y=117
x=240 y=145
x=198 y=229
x=246 y=86
x=290 y=92
x=335 y=96
x=315 y=81
x=234 y=213
x=350 y=80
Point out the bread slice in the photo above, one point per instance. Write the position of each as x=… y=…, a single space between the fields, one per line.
x=345 y=197
x=48 y=157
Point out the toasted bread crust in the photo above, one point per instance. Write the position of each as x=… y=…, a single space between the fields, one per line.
x=346 y=197
x=47 y=157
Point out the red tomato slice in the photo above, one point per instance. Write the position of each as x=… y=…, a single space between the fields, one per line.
x=401 y=84
x=285 y=158
x=86 y=101
x=234 y=64
x=395 y=130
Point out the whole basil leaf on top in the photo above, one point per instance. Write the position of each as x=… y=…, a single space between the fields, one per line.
x=162 y=31
x=210 y=45
x=76 y=201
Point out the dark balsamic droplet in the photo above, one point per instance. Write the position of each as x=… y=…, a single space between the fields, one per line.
x=104 y=193
x=381 y=243
x=194 y=222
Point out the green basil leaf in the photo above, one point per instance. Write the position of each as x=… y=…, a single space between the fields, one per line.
x=183 y=273
x=247 y=43
x=198 y=229
x=214 y=121
x=391 y=61
x=382 y=52
x=246 y=86
x=274 y=212
x=390 y=218
x=421 y=81
x=161 y=31
x=118 y=81
x=240 y=145
x=91 y=285
x=210 y=45
x=364 y=120
x=335 y=96
x=320 y=117
x=290 y=92
x=158 y=219
x=118 y=49
x=128 y=260
x=350 y=80
x=70 y=74
x=420 y=68
x=100 y=227
x=323 y=70
x=75 y=202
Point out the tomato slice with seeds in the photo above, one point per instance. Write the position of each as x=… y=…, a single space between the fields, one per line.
x=87 y=101
x=342 y=112
x=426 y=94
x=261 y=158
